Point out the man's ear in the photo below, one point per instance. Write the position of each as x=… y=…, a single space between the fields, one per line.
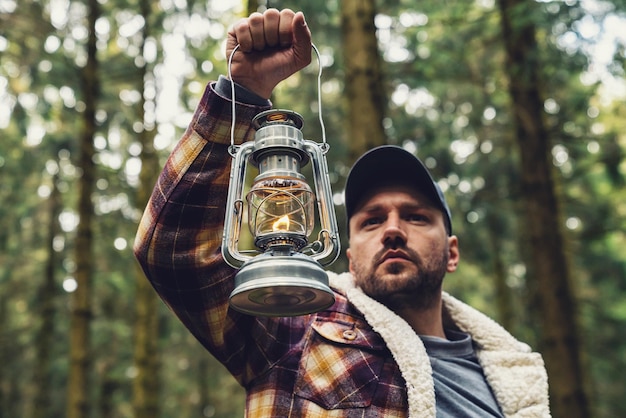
x=453 y=253
x=349 y=255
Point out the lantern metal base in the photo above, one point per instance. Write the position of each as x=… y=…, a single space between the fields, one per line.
x=281 y=285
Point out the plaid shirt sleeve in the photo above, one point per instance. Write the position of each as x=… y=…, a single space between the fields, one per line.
x=179 y=237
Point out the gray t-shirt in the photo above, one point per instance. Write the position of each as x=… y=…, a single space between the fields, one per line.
x=460 y=386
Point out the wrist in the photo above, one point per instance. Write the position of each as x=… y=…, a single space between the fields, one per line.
x=242 y=93
x=254 y=87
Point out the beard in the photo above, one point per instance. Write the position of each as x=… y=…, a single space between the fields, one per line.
x=398 y=285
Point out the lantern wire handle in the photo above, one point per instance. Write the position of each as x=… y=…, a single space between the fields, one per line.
x=233 y=148
x=324 y=146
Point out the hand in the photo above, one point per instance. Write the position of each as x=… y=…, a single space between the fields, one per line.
x=272 y=46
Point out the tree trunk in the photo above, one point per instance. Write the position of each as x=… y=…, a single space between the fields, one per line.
x=109 y=385
x=542 y=223
x=504 y=297
x=364 y=88
x=146 y=384
x=46 y=299
x=252 y=6
x=203 y=377
x=81 y=312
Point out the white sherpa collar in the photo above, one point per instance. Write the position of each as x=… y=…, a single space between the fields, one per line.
x=408 y=352
x=516 y=376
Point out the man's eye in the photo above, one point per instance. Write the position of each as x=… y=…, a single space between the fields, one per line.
x=371 y=221
x=417 y=217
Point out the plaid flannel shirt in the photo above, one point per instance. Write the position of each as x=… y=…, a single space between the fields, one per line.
x=329 y=364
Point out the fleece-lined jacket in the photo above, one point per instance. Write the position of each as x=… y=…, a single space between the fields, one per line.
x=355 y=359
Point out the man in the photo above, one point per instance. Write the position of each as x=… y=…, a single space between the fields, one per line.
x=393 y=344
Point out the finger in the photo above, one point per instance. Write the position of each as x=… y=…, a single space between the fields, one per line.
x=285 y=29
x=240 y=33
x=270 y=26
x=256 y=25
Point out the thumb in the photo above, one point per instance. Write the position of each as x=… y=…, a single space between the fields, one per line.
x=301 y=40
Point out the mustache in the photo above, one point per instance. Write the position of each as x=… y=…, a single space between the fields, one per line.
x=411 y=255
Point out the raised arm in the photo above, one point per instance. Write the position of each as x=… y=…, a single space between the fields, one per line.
x=179 y=237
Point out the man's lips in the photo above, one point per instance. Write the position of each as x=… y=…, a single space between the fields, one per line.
x=394 y=255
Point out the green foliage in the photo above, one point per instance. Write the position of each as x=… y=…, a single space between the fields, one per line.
x=447 y=101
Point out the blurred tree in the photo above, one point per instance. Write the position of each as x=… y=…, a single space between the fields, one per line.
x=548 y=263
x=82 y=301
x=46 y=303
x=252 y=6
x=365 y=99
x=146 y=383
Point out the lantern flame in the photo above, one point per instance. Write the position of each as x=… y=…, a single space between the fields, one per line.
x=282 y=224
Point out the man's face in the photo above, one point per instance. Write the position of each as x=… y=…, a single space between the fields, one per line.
x=399 y=248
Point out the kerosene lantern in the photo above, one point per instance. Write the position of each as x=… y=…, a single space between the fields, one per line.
x=283 y=275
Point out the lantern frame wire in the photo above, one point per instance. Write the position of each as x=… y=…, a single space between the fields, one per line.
x=330 y=246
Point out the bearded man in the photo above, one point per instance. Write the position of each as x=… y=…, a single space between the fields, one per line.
x=393 y=344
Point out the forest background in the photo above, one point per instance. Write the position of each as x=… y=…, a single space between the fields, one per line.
x=517 y=106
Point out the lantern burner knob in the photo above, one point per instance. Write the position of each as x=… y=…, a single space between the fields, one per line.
x=278 y=116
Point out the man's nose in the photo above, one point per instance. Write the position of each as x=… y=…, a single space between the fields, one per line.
x=394 y=233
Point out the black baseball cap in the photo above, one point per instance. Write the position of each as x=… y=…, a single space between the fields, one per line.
x=390 y=164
